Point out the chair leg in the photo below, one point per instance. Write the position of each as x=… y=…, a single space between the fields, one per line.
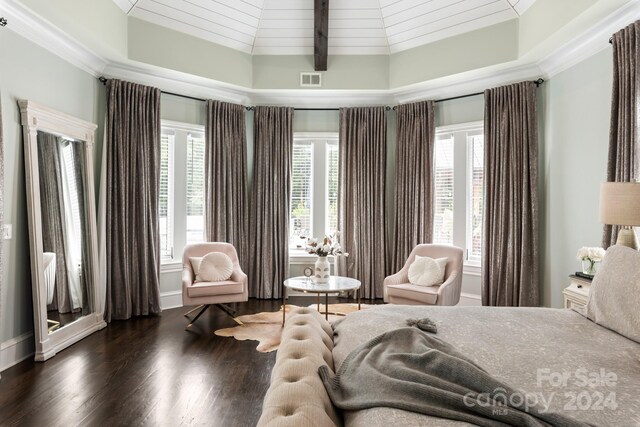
x=230 y=312
x=205 y=307
x=192 y=310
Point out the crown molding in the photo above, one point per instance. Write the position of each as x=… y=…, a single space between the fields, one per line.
x=468 y=82
x=33 y=27
x=321 y=98
x=28 y=24
x=590 y=42
x=177 y=81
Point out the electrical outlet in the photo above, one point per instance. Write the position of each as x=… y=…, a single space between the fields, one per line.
x=7 y=231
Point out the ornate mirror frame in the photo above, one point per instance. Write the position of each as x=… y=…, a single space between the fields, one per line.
x=40 y=118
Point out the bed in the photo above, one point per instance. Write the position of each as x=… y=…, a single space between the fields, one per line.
x=547 y=352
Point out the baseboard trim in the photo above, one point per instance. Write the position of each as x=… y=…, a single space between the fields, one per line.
x=16 y=350
x=470 y=300
x=171 y=299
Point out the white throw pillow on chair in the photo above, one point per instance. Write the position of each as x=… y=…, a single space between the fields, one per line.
x=213 y=267
x=425 y=271
x=195 y=264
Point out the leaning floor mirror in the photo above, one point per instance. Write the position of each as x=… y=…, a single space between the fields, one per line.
x=58 y=152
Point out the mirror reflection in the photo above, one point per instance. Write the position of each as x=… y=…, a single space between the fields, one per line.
x=63 y=180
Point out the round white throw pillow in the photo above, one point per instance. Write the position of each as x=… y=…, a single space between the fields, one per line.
x=425 y=271
x=214 y=267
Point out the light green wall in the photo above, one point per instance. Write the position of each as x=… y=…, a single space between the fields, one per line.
x=545 y=17
x=476 y=49
x=316 y=121
x=462 y=110
x=575 y=156
x=99 y=24
x=343 y=71
x=30 y=72
x=156 y=45
x=183 y=110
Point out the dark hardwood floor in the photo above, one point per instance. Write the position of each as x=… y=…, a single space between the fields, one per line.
x=145 y=371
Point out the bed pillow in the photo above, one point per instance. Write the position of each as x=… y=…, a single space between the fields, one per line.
x=614 y=300
x=213 y=267
x=425 y=271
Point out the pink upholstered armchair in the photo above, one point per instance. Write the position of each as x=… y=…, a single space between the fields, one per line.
x=204 y=294
x=398 y=290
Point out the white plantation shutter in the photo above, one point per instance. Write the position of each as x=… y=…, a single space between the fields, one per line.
x=195 y=187
x=332 y=188
x=475 y=205
x=166 y=194
x=443 y=190
x=301 y=192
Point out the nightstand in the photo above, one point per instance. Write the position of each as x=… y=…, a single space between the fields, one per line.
x=577 y=293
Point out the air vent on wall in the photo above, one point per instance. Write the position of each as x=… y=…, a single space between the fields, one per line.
x=310 y=79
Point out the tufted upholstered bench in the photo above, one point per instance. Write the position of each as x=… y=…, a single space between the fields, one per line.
x=296 y=396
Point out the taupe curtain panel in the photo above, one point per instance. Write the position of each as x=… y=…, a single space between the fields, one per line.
x=415 y=142
x=510 y=260
x=270 y=192
x=226 y=204
x=361 y=196
x=53 y=236
x=132 y=141
x=622 y=165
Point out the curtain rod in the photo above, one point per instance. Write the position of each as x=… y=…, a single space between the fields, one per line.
x=537 y=82
x=387 y=108
x=104 y=80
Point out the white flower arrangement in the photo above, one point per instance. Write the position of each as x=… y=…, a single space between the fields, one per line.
x=590 y=254
x=328 y=247
x=589 y=258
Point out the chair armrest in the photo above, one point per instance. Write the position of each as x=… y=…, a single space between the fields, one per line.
x=400 y=277
x=187 y=278
x=239 y=276
x=446 y=291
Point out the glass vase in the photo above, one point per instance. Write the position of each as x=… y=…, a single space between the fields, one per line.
x=590 y=267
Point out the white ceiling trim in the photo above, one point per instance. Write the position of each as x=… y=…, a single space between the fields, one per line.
x=591 y=42
x=29 y=25
x=469 y=82
x=177 y=82
x=125 y=5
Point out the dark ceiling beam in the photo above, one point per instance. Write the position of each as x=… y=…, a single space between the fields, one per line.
x=321 y=33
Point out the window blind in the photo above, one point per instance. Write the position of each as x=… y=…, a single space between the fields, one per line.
x=166 y=195
x=301 y=192
x=332 y=188
x=195 y=187
x=443 y=190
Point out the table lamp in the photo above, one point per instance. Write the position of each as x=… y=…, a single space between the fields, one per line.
x=620 y=205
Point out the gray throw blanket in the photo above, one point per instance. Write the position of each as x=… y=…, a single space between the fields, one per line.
x=414 y=371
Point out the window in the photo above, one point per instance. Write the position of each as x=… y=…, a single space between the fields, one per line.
x=475 y=201
x=443 y=191
x=181 y=198
x=195 y=187
x=314 y=187
x=166 y=195
x=458 y=188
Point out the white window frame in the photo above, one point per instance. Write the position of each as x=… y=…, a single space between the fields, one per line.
x=319 y=193
x=462 y=189
x=178 y=158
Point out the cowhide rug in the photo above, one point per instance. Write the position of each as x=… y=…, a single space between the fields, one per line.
x=266 y=327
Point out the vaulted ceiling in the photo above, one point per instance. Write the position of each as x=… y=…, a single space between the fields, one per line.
x=356 y=27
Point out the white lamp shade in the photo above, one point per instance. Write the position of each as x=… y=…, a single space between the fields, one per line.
x=620 y=203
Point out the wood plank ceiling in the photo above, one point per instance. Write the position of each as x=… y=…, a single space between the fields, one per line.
x=356 y=27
